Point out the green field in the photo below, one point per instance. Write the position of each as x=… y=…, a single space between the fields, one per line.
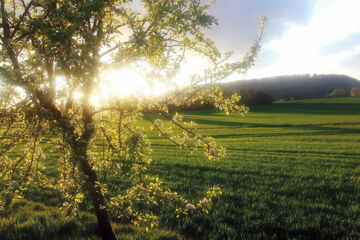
x=292 y=172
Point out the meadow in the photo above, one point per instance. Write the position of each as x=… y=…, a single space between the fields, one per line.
x=292 y=172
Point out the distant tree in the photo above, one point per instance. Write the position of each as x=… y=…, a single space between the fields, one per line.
x=253 y=98
x=43 y=41
x=355 y=92
x=338 y=93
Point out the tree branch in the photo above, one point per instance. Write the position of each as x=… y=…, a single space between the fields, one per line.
x=25 y=13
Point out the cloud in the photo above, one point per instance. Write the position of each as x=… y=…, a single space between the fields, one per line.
x=330 y=23
x=238 y=20
x=321 y=45
x=336 y=47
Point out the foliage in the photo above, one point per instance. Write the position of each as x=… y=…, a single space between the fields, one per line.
x=338 y=93
x=52 y=52
x=212 y=98
x=239 y=100
x=18 y=170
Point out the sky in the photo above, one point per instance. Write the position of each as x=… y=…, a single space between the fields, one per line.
x=301 y=37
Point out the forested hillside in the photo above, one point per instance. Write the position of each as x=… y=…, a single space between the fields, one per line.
x=303 y=86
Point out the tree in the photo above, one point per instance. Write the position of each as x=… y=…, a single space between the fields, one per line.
x=44 y=42
x=253 y=98
x=355 y=92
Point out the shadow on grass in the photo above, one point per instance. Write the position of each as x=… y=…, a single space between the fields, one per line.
x=194 y=180
x=317 y=131
x=35 y=221
x=299 y=151
x=310 y=108
x=264 y=204
x=264 y=125
x=321 y=108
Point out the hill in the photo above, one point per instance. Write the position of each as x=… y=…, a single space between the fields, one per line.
x=303 y=86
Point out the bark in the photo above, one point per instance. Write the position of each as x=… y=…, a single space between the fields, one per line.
x=91 y=183
x=92 y=187
x=79 y=145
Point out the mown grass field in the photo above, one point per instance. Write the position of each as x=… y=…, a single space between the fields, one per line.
x=292 y=172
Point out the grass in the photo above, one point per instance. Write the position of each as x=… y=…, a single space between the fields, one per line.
x=292 y=172
x=33 y=220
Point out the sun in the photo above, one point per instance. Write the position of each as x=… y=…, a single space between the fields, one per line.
x=124 y=83
x=136 y=81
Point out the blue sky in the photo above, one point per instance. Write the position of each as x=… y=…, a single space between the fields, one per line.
x=302 y=36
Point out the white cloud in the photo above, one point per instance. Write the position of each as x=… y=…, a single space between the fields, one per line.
x=298 y=48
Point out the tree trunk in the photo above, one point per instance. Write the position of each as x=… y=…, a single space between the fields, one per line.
x=79 y=146
x=91 y=185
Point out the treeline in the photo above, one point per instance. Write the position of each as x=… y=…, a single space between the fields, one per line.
x=253 y=98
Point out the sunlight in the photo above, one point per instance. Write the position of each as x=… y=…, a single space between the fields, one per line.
x=126 y=82
x=118 y=83
x=122 y=83
x=299 y=49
